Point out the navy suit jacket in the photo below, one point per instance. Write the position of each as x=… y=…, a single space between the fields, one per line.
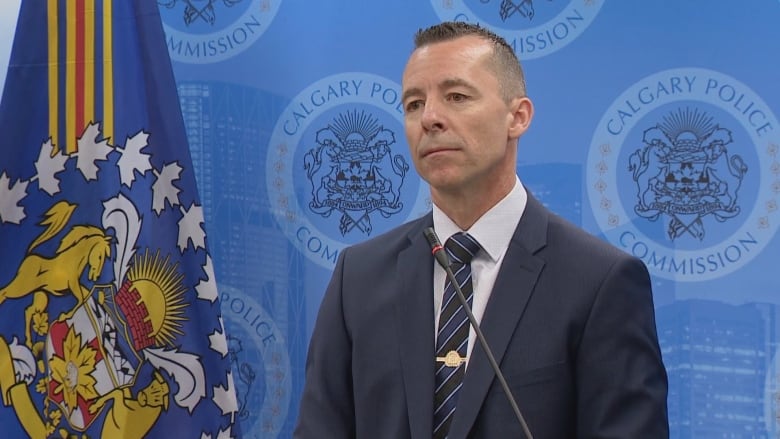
x=570 y=320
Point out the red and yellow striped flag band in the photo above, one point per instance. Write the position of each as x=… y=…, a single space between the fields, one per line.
x=80 y=55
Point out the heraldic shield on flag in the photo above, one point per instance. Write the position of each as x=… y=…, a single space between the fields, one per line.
x=110 y=324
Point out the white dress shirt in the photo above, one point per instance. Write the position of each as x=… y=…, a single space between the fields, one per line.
x=493 y=231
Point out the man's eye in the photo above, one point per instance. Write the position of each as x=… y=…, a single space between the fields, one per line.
x=413 y=105
x=457 y=97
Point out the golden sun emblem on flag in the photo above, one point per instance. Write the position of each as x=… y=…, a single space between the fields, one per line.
x=152 y=300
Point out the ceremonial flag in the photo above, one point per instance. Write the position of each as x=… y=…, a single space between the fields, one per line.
x=110 y=323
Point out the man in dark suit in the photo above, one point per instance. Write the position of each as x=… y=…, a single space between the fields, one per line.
x=569 y=318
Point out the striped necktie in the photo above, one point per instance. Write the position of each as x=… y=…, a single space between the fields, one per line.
x=453 y=335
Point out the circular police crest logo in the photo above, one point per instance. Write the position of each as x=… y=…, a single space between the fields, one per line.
x=206 y=31
x=260 y=364
x=338 y=170
x=683 y=173
x=534 y=28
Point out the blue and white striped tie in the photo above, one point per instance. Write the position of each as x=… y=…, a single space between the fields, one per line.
x=453 y=335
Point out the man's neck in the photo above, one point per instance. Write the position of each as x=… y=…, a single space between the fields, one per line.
x=464 y=208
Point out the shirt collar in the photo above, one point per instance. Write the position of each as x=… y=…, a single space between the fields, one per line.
x=495 y=228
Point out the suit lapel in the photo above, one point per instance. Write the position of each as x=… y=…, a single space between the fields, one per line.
x=415 y=324
x=514 y=285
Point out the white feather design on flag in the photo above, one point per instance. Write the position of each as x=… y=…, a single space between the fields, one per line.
x=186 y=371
x=121 y=215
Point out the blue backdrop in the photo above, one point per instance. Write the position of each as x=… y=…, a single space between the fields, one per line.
x=655 y=128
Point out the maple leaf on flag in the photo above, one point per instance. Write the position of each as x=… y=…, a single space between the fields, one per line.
x=218 y=341
x=10 y=196
x=90 y=151
x=223 y=434
x=50 y=162
x=225 y=398
x=164 y=189
x=191 y=228
x=207 y=288
x=133 y=159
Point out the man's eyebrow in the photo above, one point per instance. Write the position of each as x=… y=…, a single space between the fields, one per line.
x=445 y=84
x=455 y=82
x=414 y=91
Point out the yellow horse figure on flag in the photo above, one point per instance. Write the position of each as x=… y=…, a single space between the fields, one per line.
x=82 y=247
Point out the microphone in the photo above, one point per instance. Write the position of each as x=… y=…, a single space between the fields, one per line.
x=444 y=261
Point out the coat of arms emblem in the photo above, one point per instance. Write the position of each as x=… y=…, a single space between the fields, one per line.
x=686 y=172
x=353 y=170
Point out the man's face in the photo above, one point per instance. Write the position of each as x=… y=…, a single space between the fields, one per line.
x=461 y=132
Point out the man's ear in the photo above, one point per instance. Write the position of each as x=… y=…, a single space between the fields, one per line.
x=521 y=113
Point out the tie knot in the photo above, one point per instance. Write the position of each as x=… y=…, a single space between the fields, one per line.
x=462 y=247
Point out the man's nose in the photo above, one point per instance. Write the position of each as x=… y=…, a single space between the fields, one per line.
x=432 y=117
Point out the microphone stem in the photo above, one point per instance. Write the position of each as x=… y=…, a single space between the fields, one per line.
x=488 y=353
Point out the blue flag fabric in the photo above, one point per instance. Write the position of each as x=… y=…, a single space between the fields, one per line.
x=110 y=321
